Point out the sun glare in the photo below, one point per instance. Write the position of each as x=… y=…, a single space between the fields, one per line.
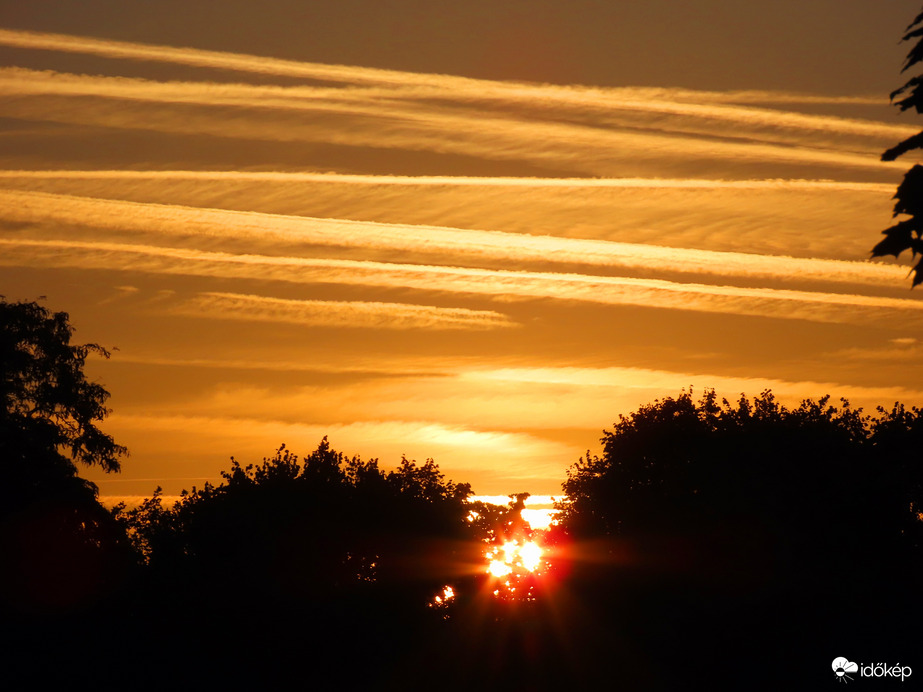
x=443 y=599
x=531 y=556
x=499 y=568
x=514 y=564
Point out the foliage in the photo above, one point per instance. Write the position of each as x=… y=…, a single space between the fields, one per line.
x=325 y=563
x=907 y=234
x=48 y=404
x=51 y=522
x=774 y=490
x=749 y=528
x=303 y=531
x=494 y=524
x=680 y=461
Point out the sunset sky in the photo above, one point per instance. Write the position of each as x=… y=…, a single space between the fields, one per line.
x=475 y=231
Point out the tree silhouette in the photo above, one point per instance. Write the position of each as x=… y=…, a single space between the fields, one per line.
x=750 y=528
x=794 y=475
x=50 y=518
x=907 y=234
x=311 y=528
x=65 y=559
x=300 y=555
x=48 y=413
x=49 y=408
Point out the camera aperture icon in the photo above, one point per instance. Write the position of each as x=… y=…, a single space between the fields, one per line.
x=842 y=666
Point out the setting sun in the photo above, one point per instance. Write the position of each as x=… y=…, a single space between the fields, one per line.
x=531 y=555
x=514 y=559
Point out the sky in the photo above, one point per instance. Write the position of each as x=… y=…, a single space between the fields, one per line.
x=475 y=232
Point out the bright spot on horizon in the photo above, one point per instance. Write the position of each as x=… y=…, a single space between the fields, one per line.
x=531 y=555
x=540 y=519
x=514 y=556
x=499 y=568
x=539 y=511
x=448 y=593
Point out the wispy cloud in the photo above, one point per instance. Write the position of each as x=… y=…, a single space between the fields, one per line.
x=484 y=400
x=807 y=218
x=351 y=74
x=449 y=181
x=325 y=313
x=616 y=107
x=644 y=378
x=249 y=231
x=662 y=99
x=542 y=125
x=493 y=284
x=468 y=450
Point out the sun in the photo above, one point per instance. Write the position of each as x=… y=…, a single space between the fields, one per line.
x=513 y=566
x=530 y=554
x=512 y=556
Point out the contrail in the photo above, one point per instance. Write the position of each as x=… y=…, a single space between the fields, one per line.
x=410 y=85
x=255 y=228
x=453 y=181
x=504 y=285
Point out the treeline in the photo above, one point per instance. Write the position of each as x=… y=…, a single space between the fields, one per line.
x=326 y=567
x=750 y=536
x=711 y=541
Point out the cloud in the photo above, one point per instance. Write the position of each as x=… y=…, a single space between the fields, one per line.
x=378 y=77
x=703 y=103
x=494 y=414
x=463 y=449
x=371 y=366
x=244 y=231
x=665 y=380
x=325 y=313
x=548 y=126
x=689 y=112
x=302 y=177
x=819 y=219
x=496 y=284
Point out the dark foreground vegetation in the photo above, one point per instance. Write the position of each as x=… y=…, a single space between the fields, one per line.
x=711 y=544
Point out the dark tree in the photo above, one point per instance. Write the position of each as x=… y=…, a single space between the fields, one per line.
x=324 y=561
x=680 y=467
x=751 y=529
x=305 y=530
x=907 y=234
x=49 y=410
x=65 y=559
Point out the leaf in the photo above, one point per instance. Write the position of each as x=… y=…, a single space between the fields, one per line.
x=916 y=53
x=917 y=274
x=897 y=239
x=917 y=20
x=909 y=194
x=912 y=34
x=914 y=99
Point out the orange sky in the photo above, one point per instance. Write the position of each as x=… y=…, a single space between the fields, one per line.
x=473 y=232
